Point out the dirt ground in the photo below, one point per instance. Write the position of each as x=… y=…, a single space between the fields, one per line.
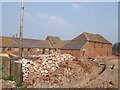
x=107 y=79
x=77 y=74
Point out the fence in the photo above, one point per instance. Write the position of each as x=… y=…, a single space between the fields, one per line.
x=12 y=69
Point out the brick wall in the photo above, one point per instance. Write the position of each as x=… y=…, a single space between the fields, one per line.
x=1 y=50
x=91 y=50
x=75 y=53
x=46 y=51
x=97 y=49
x=28 y=51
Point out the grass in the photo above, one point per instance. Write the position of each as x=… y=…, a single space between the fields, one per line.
x=11 y=78
x=2 y=69
x=19 y=85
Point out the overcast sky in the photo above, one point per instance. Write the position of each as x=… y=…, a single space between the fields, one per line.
x=63 y=19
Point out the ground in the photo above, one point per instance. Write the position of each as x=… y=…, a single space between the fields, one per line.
x=107 y=79
x=77 y=74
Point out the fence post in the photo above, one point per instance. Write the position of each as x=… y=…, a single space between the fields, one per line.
x=6 y=68
x=11 y=68
x=18 y=72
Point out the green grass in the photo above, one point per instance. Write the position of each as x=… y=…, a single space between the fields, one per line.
x=2 y=69
x=11 y=78
x=19 y=85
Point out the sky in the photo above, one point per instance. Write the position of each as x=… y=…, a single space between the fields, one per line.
x=63 y=19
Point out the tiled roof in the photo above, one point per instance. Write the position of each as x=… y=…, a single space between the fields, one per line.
x=29 y=43
x=91 y=37
x=53 y=40
x=8 y=42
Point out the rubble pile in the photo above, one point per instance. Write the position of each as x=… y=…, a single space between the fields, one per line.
x=56 y=70
x=8 y=84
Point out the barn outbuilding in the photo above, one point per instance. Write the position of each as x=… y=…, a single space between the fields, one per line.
x=84 y=45
x=88 y=45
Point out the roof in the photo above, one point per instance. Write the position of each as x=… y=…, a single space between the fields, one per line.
x=91 y=37
x=28 y=43
x=53 y=40
x=61 y=44
x=36 y=43
x=8 y=42
x=76 y=45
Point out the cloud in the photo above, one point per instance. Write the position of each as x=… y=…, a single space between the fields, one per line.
x=43 y=15
x=57 y=20
x=76 y=6
x=28 y=16
x=54 y=19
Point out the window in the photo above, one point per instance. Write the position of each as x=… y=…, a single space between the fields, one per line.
x=4 y=49
x=83 y=53
x=28 y=49
x=94 y=44
x=9 y=49
x=108 y=46
x=102 y=45
x=107 y=53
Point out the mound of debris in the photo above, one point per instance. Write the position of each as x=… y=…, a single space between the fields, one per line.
x=8 y=84
x=57 y=70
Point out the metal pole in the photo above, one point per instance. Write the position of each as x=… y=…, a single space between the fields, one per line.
x=21 y=28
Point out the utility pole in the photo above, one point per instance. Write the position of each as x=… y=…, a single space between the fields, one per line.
x=21 y=28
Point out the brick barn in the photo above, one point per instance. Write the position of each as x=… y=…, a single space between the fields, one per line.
x=84 y=45
x=57 y=43
x=88 y=45
x=30 y=46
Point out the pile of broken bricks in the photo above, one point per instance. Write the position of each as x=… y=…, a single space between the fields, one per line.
x=44 y=65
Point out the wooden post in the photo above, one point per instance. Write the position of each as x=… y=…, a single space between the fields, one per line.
x=18 y=72
x=6 y=67
x=21 y=29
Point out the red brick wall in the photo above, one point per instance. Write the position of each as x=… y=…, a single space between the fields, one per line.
x=35 y=51
x=99 y=49
x=15 y=51
x=46 y=51
x=75 y=53
x=41 y=51
x=1 y=50
x=90 y=51
x=51 y=51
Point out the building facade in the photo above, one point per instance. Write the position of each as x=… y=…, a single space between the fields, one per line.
x=84 y=45
x=88 y=45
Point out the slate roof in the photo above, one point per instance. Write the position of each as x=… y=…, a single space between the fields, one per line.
x=54 y=42
x=28 y=43
x=75 y=45
x=61 y=44
x=91 y=37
